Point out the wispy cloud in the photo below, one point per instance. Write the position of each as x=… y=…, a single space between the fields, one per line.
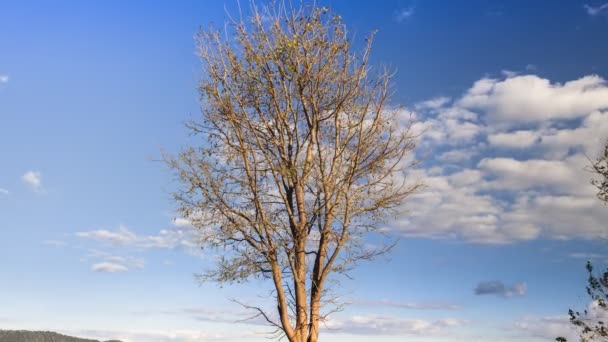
x=4 y=79
x=390 y=325
x=130 y=242
x=110 y=263
x=108 y=267
x=588 y=256
x=403 y=14
x=433 y=103
x=593 y=11
x=207 y=314
x=164 y=335
x=123 y=236
x=547 y=328
x=33 y=180
x=498 y=288
x=409 y=305
x=54 y=243
x=4 y=192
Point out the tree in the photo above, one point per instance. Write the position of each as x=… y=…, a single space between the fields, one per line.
x=600 y=168
x=590 y=324
x=301 y=158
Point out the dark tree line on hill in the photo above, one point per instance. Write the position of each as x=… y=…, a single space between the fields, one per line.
x=39 y=336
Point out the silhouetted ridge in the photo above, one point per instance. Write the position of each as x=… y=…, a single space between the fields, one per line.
x=40 y=336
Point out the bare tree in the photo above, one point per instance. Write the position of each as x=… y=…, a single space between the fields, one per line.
x=591 y=325
x=301 y=157
x=600 y=168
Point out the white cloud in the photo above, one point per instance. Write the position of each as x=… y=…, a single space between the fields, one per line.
x=123 y=236
x=546 y=328
x=498 y=182
x=4 y=78
x=518 y=139
x=106 y=262
x=4 y=192
x=182 y=222
x=457 y=155
x=129 y=241
x=390 y=325
x=447 y=130
x=33 y=180
x=403 y=14
x=593 y=11
x=166 y=336
x=206 y=314
x=588 y=138
x=531 y=99
x=511 y=174
x=433 y=103
x=409 y=305
x=108 y=267
x=170 y=239
x=552 y=327
x=560 y=217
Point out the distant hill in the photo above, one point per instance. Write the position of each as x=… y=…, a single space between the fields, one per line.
x=39 y=336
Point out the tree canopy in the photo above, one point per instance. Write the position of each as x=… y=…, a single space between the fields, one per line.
x=301 y=156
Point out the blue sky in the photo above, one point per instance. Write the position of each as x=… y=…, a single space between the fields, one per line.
x=511 y=97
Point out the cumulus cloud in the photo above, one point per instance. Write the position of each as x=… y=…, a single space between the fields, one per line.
x=500 y=167
x=595 y=10
x=512 y=174
x=455 y=156
x=517 y=139
x=530 y=98
x=33 y=180
x=433 y=103
x=498 y=288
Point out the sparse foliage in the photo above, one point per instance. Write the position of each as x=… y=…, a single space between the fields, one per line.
x=301 y=157
x=600 y=168
x=591 y=325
